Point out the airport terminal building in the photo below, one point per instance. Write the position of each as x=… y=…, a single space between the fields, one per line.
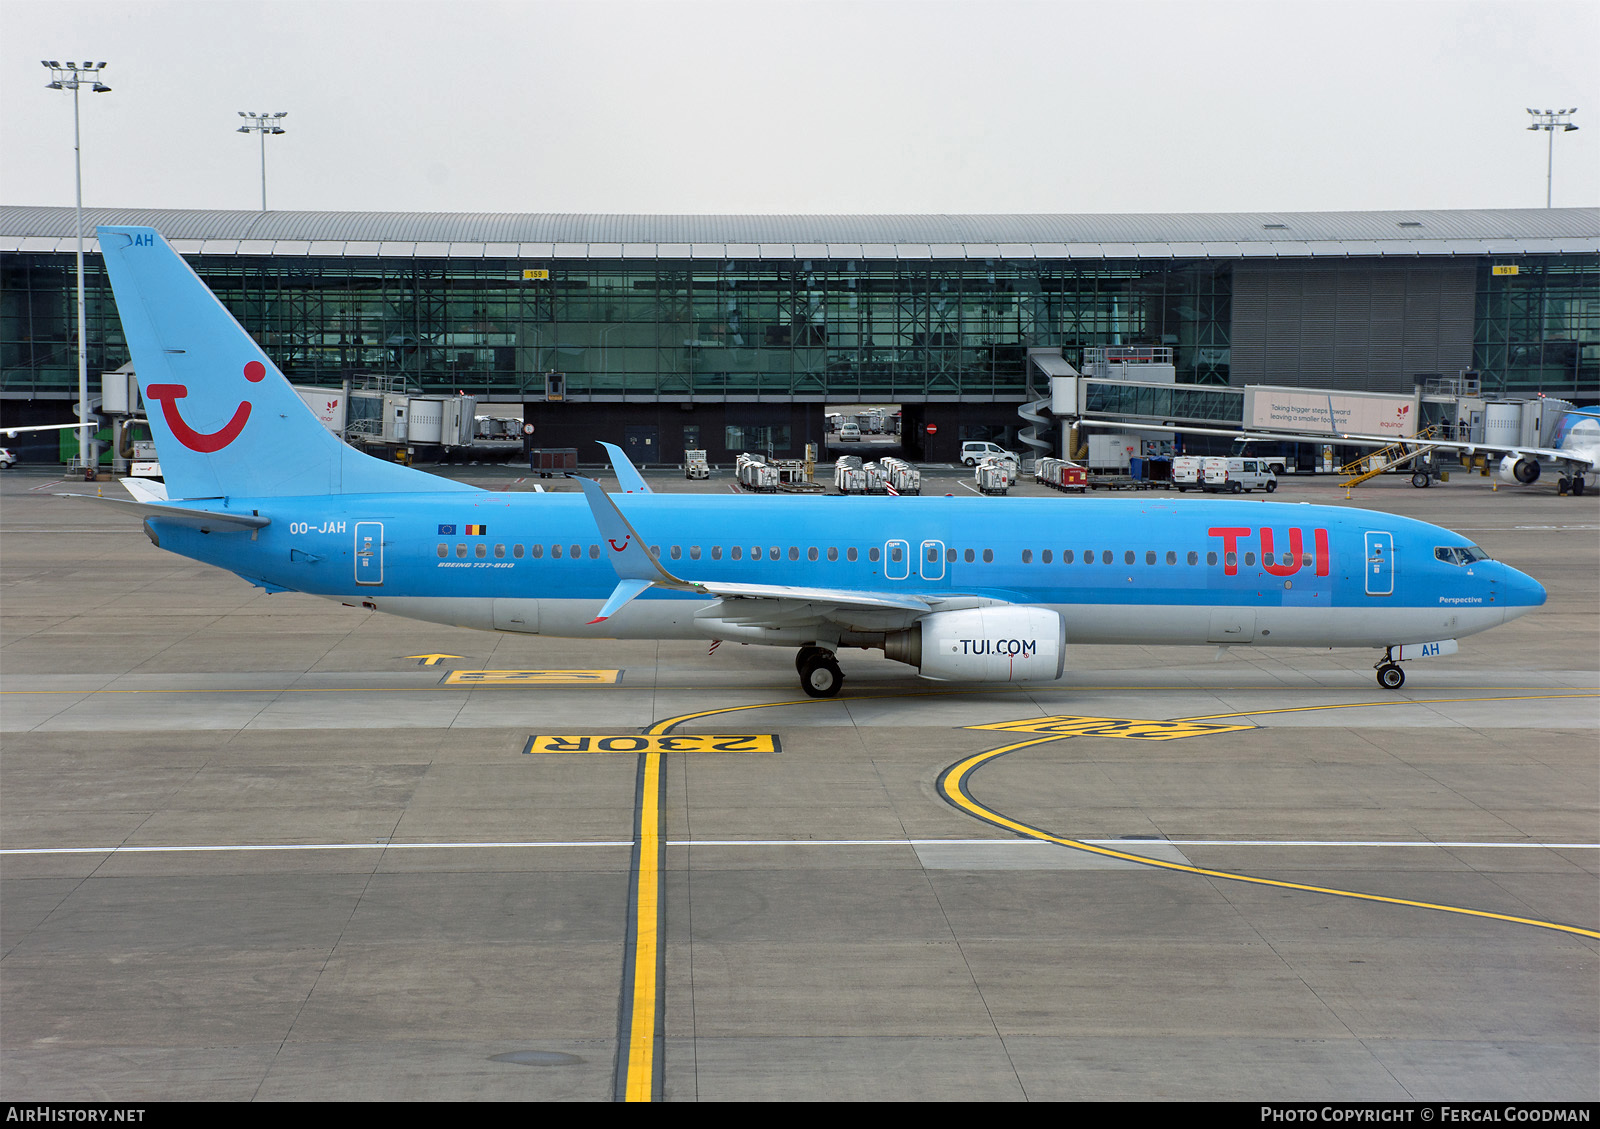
x=730 y=333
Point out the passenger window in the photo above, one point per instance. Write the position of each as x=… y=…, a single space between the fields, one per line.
x=988 y=556
x=1249 y=558
x=774 y=553
x=794 y=552
x=833 y=552
x=1266 y=558
x=1105 y=557
x=716 y=552
x=1172 y=558
x=677 y=552
x=950 y=556
x=969 y=555
x=1194 y=557
x=1149 y=557
x=738 y=552
x=1027 y=556
x=872 y=554
x=480 y=550
x=444 y=550
x=1211 y=558
x=1231 y=559
x=694 y=552
x=1127 y=557
x=1066 y=556
x=577 y=551
x=537 y=551
x=461 y=550
x=555 y=552
x=1045 y=556
x=850 y=554
x=811 y=553
x=1305 y=559
x=894 y=554
x=655 y=551
x=499 y=552
x=516 y=551
x=755 y=552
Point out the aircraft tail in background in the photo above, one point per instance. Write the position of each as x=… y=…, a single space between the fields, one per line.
x=226 y=422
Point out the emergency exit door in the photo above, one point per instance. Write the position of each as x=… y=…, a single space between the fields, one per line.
x=1380 y=564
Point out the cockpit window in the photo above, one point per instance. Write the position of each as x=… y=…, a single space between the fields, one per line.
x=1460 y=554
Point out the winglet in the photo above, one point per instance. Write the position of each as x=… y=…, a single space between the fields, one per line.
x=628 y=476
x=627 y=551
x=625 y=591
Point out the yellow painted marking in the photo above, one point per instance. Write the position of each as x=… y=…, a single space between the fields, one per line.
x=1385 y=702
x=953 y=785
x=531 y=677
x=431 y=660
x=638 y=743
x=640 y=1081
x=1068 y=725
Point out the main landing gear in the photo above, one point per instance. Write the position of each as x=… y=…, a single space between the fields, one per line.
x=1574 y=485
x=820 y=676
x=1390 y=676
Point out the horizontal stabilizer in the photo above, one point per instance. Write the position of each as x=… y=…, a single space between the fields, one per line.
x=207 y=521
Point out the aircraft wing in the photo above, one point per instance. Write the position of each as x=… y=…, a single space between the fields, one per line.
x=1546 y=454
x=771 y=604
x=628 y=476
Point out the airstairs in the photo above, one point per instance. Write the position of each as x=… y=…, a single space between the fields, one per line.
x=1387 y=458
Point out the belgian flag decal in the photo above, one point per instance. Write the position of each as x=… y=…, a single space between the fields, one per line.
x=477 y=531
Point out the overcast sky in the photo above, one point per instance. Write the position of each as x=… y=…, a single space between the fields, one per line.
x=762 y=106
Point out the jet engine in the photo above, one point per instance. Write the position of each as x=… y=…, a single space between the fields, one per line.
x=995 y=644
x=1518 y=469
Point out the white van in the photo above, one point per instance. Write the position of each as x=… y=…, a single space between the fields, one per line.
x=1235 y=476
x=1187 y=471
x=975 y=451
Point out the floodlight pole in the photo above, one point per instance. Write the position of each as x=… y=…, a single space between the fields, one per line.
x=70 y=76
x=1550 y=121
x=263 y=123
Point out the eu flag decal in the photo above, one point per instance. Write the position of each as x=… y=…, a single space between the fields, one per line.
x=477 y=531
x=447 y=531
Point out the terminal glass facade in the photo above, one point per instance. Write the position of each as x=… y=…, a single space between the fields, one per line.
x=658 y=329
x=808 y=330
x=1538 y=326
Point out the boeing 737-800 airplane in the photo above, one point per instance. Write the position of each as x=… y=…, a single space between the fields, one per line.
x=963 y=589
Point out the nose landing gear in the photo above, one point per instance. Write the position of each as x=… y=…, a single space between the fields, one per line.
x=1390 y=675
x=820 y=676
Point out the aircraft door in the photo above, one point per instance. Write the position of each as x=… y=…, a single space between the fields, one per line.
x=1380 y=564
x=896 y=560
x=932 y=565
x=369 y=552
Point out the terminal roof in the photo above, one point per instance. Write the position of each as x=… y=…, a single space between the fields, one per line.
x=560 y=236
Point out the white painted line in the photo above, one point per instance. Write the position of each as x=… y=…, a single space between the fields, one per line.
x=1032 y=844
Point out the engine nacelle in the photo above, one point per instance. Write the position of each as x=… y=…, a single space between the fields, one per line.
x=1518 y=469
x=998 y=644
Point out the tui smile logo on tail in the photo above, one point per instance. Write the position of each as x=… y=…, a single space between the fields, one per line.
x=206 y=443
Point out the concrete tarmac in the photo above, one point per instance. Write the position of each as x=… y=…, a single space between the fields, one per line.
x=255 y=850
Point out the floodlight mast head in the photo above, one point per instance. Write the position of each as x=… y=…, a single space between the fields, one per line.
x=1550 y=121
x=263 y=123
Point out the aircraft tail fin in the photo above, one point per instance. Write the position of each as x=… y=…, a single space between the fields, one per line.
x=225 y=420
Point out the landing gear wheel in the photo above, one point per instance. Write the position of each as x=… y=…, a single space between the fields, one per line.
x=805 y=655
x=1578 y=485
x=1421 y=480
x=821 y=676
x=1563 y=485
x=1391 y=677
